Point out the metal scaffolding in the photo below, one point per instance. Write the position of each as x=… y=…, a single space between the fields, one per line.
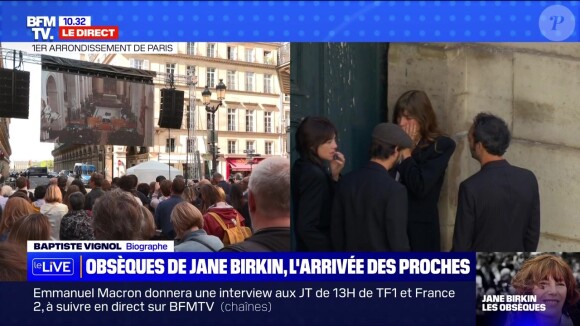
x=193 y=158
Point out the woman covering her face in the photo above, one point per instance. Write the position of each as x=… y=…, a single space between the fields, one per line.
x=422 y=169
x=314 y=176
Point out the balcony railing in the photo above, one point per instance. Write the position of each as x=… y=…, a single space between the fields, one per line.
x=284 y=53
x=163 y=78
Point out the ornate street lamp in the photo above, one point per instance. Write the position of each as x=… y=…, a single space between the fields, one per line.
x=206 y=97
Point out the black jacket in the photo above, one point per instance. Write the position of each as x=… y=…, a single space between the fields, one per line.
x=370 y=212
x=264 y=240
x=92 y=196
x=312 y=193
x=423 y=174
x=225 y=186
x=498 y=209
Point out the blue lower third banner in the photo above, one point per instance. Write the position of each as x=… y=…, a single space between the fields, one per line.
x=145 y=288
x=252 y=303
x=171 y=266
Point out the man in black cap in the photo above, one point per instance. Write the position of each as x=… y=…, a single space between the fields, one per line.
x=369 y=212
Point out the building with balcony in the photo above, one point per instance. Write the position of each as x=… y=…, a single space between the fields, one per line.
x=252 y=118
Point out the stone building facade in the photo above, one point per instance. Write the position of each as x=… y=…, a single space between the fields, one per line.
x=534 y=87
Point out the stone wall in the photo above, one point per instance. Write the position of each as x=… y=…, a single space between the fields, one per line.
x=535 y=87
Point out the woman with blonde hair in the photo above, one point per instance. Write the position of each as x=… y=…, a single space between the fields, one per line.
x=147 y=224
x=551 y=280
x=32 y=227
x=189 y=194
x=16 y=208
x=54 y=209
x=188 y=225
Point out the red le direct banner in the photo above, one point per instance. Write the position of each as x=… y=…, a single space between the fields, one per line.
x=88 y=32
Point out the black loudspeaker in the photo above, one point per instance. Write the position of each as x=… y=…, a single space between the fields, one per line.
x=171 y=110
x=14 y=93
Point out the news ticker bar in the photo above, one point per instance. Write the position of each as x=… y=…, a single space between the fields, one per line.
x=113 y=265
x=293 y=21
x=254 y=303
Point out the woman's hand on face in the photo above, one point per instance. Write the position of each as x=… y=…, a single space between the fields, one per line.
x=412 y=129
x=336 y=165
x=405 y=153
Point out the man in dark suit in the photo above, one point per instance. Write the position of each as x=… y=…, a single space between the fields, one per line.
x=96 y=183
x=498 y=208
x=219 y=181
x=22 y=185
x=369 y=212
x=164 y=209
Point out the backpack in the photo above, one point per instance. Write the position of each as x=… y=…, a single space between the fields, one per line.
x=234 y=234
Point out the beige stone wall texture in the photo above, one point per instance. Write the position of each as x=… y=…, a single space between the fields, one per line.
x=535 y=87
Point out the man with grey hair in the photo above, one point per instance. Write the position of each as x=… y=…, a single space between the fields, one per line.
x=269 y=206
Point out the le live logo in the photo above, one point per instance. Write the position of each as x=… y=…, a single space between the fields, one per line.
x=41 y=26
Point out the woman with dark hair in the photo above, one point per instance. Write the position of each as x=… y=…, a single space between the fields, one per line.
x=551 y=280
x=314 y=176
x=240 y=203
x=127 y=184
x=209 y=197
x=12 y=263
x=69 y=190
x=106 y=185
x=422 y=169
x=214 y=198
x=76 y=224
x=79 y=183
x=152 y=189
x=144 y=189
x=32 y=227
x=118 y=216
x=39 y=193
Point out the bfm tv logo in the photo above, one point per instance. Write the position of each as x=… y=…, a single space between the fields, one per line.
x=41 y=26
x=52 y=266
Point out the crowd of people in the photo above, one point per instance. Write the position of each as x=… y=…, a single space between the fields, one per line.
x=391 y=203
x=199 y=217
